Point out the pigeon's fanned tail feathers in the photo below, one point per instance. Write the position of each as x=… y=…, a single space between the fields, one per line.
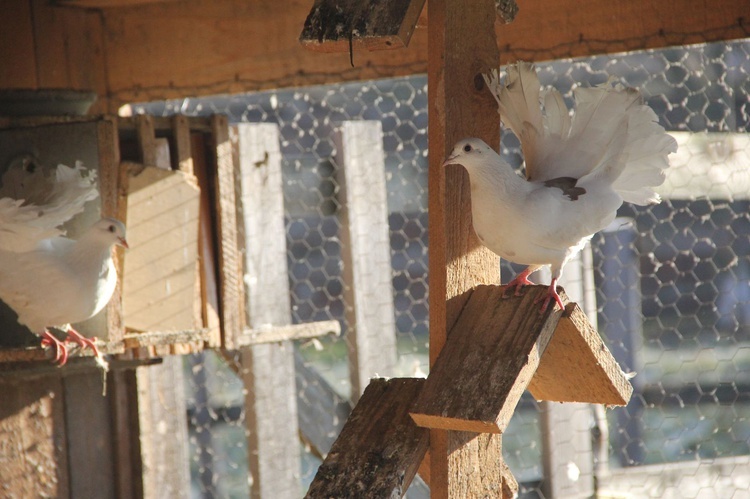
x=39 y=211
x=556 y=115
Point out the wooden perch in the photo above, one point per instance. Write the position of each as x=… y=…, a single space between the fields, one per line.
x=379 y=449
x=334 y=25
x=578 y=367
x=499 y=347
x=490 y=356
x=275 y=334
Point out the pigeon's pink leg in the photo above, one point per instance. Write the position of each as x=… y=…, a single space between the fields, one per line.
x=61 y=350
x=551 y=294
x=520 y=281
x=84 y=342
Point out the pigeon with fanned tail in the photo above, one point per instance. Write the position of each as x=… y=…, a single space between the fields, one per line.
x=47 y=279
x=579 y=170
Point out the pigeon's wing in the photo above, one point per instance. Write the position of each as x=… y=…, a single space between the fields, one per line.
x=49 y=202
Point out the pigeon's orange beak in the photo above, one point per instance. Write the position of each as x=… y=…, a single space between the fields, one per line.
x=122 y=242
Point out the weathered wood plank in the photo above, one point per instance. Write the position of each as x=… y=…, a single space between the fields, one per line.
x=17 y=47
x=336 y=25
x=379 y=449
x=163 y=430
x=229 y=260
x=366 y=253
x=496 y=343
x=597 y=378
x=267 y=369
x=275 y=334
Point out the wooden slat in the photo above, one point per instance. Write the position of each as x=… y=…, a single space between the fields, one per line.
x=491 y=354
x=379 y=449
x=153 y=338
x=92 y=465
x=183 y=157
x=163 y=430
x=146 y=136
x=597 y=379
x=17 y=47
x=335 y=25
x=366 y=253
x=267 y=369
x=276 y=334
x=33 y=444
x=229 y=260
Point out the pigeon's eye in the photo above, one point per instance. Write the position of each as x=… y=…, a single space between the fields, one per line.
x=467 y=148
x=112 y=229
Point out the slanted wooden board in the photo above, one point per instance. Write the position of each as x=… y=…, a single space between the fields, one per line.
x=578 y=367
x=491 y=355
x=334 y=25
x=379 y=449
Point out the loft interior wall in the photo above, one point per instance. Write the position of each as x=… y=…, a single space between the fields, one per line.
x=201 y=47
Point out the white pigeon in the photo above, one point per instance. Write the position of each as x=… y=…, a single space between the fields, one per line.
x=62 y=281
x=579 y=170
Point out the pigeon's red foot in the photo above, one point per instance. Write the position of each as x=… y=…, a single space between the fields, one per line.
x=75 y=337
x=61 y=350
x=551 y=294
x=518 y=282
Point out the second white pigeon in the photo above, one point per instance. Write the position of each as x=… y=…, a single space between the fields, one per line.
x=579 y=170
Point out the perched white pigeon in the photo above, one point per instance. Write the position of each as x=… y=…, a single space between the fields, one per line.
x=579 y=170
x=62 y=281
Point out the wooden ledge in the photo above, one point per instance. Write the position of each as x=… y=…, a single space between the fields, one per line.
x=578 y=367
x=500 y=346
x=379 y=449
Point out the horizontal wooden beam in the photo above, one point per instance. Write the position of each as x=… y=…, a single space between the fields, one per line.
x=275 y=334
x=176 y=49
x=156 y=338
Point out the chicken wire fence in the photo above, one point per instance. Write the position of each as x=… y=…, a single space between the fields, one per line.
x=671 y=280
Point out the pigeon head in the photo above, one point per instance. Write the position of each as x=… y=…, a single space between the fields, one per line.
x=468 y=152
x=112 y=230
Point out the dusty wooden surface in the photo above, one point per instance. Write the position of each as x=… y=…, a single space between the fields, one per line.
x=484 y=368
x=379 y=449
x=578 y=367
x=174 y=49
x=335 y=25
x=274 y=334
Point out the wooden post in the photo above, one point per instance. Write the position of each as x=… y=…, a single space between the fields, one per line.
x=462 y=45
x=366 y=253
x=267 y=369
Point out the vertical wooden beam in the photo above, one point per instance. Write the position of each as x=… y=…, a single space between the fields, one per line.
x=366 y=253
x=462 y=44
x=268 y=369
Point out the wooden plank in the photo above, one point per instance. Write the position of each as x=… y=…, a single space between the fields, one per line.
x=597 y=378
x=379 y=449
x=150 y=56
x=461 y=44
x=335 y=25
x=153 y=338
x=33 y=444
x=123 y=387
x=146 y=136
x=207 y=250
x=496 y=342
x=92 y=465
x=106 y=4
x=183 y=156
x=276 y=334
x=229 y=260
x=17 y=47
x=267 y=369
x=366 y=252
x=163 y=430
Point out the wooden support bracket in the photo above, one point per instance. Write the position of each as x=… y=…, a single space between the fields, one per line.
x=379 y=449
x=500 y=345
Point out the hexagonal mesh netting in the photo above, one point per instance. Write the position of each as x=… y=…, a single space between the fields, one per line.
x=671 y=280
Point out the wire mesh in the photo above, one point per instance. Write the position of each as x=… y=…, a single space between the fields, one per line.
x=672 y=291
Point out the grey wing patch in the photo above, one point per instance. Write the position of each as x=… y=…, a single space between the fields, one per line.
x=567 y=185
